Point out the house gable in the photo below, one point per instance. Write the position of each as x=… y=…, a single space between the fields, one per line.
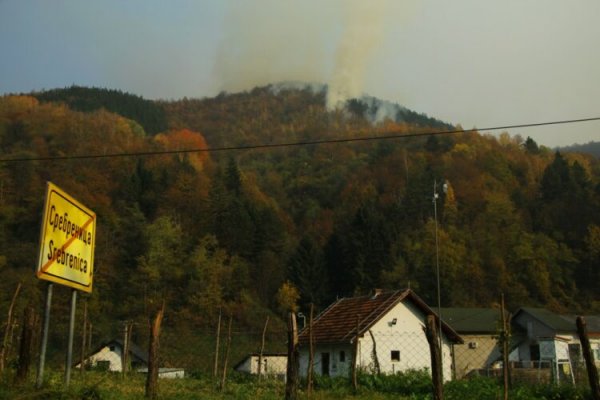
x=541 y=323
x=348 y=318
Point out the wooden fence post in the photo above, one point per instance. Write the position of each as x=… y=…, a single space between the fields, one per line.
x=227 y=350
x=89 y=341
x=127 y=330
x=505 y=342
x=291 y=384
x=216 y=364
x=262 y=349
x=311 y=352
x=355 y=357
x=7 y=331
x=25 y=345
x=436 y=364
x=125 y=354
x=589 y=358
x=153 y=347
x=83 y=338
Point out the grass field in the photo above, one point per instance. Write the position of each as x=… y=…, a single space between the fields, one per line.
x=111 y=386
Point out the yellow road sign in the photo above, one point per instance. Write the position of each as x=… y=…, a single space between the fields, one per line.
x=67 y=241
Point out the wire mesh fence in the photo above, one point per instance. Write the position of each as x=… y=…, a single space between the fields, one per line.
x=210 y=351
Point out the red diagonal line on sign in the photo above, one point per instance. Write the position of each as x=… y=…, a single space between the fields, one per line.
x=64 y=247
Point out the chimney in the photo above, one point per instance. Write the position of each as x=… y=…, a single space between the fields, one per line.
x=376 y=292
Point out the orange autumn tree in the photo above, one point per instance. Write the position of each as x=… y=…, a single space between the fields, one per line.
x=184 y=140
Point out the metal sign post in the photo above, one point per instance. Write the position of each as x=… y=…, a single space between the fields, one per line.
x=71 y=334
x=67 y=242
x=44 y=344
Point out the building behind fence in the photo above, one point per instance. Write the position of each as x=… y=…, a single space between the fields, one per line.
x=387 y=339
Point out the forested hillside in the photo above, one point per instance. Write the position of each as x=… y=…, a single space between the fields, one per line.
x=245 y=230
x=147 y=113
x=592 y=148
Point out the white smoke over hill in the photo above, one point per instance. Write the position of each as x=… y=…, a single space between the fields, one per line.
x=363 y=31
x=308 y=41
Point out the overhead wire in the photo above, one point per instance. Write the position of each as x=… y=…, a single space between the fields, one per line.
x=389 y=135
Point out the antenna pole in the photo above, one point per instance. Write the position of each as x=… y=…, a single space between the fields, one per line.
x=437 y=267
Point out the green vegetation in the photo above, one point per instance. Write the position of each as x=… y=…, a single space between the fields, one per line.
x=111 y=386
x=147 y=113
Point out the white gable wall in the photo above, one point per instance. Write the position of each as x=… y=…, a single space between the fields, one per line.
x=406 y=336
x=340 y=359
x=272 y=364
x=111 y=354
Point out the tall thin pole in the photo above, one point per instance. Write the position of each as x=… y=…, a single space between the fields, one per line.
x=69 y=359
x=505 y=339
x=311 y=352
x=216 y=365
x=83 y=338
x=227 y=349
x=262 y=349
x=8 y=331
x=44 y=344
x=437 y=267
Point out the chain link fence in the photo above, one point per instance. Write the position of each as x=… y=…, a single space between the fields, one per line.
x=212 y=351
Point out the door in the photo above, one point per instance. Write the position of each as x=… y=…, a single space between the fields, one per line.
x=325 y=364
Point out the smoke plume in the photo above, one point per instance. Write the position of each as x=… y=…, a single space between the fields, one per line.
x=269 y=41
x=363 y=31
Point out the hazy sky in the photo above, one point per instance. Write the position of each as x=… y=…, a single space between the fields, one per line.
x=469 y=62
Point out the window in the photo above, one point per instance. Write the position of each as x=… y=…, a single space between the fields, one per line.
x=395 y=355
x=534 y=352
x=596 y=353
x=342 y=356
x=103 y=365
x=575 y=352
x=112 y=348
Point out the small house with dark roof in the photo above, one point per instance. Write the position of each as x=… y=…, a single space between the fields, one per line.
x=479 y=328
x=553 y=338
x=386 y=328
x=109 y=356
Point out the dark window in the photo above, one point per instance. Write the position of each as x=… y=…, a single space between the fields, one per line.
x=342 y=356
x=575 y=351
x=103 y=365
x=534 y=352
x=395 y=355
x=325 y=364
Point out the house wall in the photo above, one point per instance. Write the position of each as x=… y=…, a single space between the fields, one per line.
x=339 y=364
x=478 y=352
x=407 y=337
x=171 y=373
x=114 y=357
x=272 y=365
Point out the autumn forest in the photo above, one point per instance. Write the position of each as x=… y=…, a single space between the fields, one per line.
x=251 y=229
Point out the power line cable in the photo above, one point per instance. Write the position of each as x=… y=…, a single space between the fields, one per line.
x=389 y=135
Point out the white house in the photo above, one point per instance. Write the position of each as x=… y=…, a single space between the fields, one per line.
x=109 y=357
x=552 y=341
x=389 y=327
x=273 y=364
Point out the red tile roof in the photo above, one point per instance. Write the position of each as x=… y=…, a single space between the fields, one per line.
x=338 y=323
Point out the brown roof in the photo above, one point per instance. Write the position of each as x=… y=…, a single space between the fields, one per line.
x=338 y=323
